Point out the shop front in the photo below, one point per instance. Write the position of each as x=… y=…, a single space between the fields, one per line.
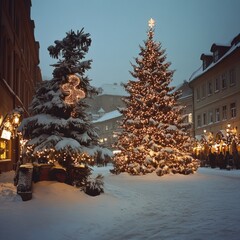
x=9 y=140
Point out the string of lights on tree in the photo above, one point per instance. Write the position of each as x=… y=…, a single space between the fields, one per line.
x=71 y=89
x=51 y=156
x=59 y=129
x=153 y=136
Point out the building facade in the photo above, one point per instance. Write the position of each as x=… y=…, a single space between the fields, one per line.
x=105 y=114
x=19 y=70
x=186 y=100
x=216 y=95
x=107 y=128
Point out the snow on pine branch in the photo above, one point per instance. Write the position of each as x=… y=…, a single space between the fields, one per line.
x=48 y=120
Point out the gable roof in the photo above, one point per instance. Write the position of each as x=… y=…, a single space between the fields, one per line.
x=108 y=116
x=200 y=71
x=113 y=89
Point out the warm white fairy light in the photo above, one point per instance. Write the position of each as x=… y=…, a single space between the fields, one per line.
x=70 y=88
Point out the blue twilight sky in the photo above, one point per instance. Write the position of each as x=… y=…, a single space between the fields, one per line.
x=185 y=28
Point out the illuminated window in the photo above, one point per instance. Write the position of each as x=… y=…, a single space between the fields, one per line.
x=106 y=128
x=4 y=150
x=190 y=119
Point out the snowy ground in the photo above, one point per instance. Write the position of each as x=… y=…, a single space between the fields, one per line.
x=205 y=205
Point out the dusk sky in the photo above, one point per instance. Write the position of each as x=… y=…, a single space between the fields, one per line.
x=185 y=28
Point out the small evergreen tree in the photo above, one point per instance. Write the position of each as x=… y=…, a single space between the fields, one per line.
x=153 y=136
x=59 y=129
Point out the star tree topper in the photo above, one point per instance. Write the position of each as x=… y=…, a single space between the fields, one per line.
x=70 y=88
x=151 y=23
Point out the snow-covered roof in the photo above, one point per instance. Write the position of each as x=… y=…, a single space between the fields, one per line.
x=113 y=89
x=200 y=71
x=198 y=137
x=186 y=90
x=108 y=116
x=186 y=96
x=101 y=110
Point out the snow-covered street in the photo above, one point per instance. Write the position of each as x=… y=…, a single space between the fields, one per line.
x=200 y=206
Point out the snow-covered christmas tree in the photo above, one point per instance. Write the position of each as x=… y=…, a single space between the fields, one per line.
x=153 y=136
x=59 y=129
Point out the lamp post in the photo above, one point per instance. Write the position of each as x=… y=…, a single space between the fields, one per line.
x=204 y=143
x=208 y=138
x=10 y=124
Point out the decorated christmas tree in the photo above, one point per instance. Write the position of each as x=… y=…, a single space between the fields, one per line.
x=153 y=135
x=59 y=130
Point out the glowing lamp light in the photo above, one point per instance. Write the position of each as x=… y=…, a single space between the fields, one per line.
x=16 y=120
x=7 y=124
x=70 y=88
x=6 y=134
x=1 y=119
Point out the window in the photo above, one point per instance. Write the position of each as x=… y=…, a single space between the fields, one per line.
x=204 y=64
x=224 y=81
x=232 y=77
x=216 y=84
x=106 y=128
x=198 y=120
x=203 y=91
x=217 y=114
x=216 y=55
x=224 y=112
x=190 y=119
x=233 y=110
x=198 y=94
x=4 y=149
x=204 y=118
x=210 y=90
x=210 y=117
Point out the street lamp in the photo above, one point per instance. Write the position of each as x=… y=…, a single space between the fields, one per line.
x=16 y=119
x=11 y=123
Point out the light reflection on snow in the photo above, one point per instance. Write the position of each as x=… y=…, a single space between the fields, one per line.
x=204 y=205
